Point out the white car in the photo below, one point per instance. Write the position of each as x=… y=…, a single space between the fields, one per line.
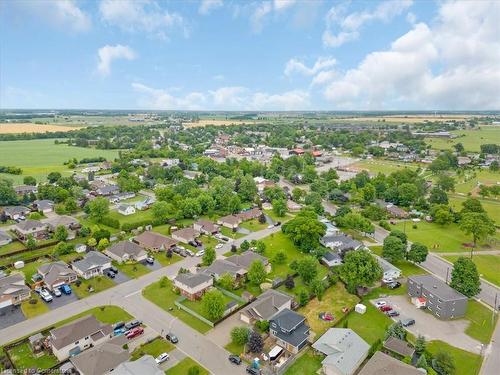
x=46 y=296
x=200 y=253
x=270 y=226
x=219 y=246
x=388 y=280
x=379 y=304
x=162 y=358
x=57 y=292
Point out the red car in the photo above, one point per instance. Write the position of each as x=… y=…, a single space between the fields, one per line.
x=385 y=308
x=135 y=332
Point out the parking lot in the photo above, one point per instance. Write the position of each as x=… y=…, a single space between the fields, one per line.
x=432 y=328
x=10 y=315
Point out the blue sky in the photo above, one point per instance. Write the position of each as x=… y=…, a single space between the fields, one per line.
x=252 y=55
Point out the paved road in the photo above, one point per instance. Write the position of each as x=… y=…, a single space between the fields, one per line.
x=491 y=362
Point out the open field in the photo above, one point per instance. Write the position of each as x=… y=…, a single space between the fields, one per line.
x=28 y=127
x=471 y=139
x=375 y=166
x=487 y=265
x=406 y=119
x=39 y=157
x=492 y=207
x=471 y=179
x=218 y=122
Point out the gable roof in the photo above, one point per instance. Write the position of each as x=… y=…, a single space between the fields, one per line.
x=29 y=225
x=126 y=247
x=13 y=210
x=383 y=364
x=267 y=304
x=65 y=220
x=386 y=265
x=343 y=348
x=91 y=260
x=55 y=270
x=288 y=319
x=207 y=225
x=13 y=285
x=229 y=219
x=186 y=233
x=154 y=240
x=221 y=266
x=144 y=365
x=399 y=346
x=4 y=236
x=192 y=280
x=72 y=332
x=290 y=327
x=246 y=259
x=102 y=359
x=341 y=241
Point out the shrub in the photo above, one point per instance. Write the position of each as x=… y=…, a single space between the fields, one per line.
x=110 y=222
x=239 y=335
x=194 y=370
x=384 y=224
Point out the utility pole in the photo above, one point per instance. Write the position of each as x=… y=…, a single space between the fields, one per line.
x=495 y=306
x=447 y=273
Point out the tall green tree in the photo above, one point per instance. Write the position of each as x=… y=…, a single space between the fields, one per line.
x=213 y=304
x=7 y=192
x=305 y=230
x=359 y=269
x=478 y=225
x=61 y=233
x=465 y=278
x=394 y=250
x=209 y=256
x=418 y=253
x=307 y=268
x=97 y=209
x=257 y=273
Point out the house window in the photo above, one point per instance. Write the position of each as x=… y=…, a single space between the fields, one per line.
x=86 y=338
x=76 y=343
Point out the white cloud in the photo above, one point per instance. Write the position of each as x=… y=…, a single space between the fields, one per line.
x=296 y=66
x=287 y=101
x=324 y=77
x=283 y=4
x=161 y=99
x=349 y=25
x=207 y=6
x=453 y=64
x=142 y=16
x=261 y=11
x=259 y=14
x=109 y=53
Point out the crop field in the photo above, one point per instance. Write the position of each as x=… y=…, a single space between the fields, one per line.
x=28 y=127
x=218 y=122
x=39 y=157
x=471 y=139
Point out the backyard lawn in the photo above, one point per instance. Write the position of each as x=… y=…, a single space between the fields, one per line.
x=371 y=325
x=439 y=238
x=162 y=229
x=132 y=270
x=153 y=348
x=99 y=284
x=308 y=363
x=11 y=247
x=334 y=299
x=182 y=368
x=275 y=243
x=276 y=218
x=164 y=297
x=466 y=363
x=229 y=233
x=127 y=219
x=481 y=325
x=32 y=310
x=487 y=265
x=471 y=179
x=23 y=358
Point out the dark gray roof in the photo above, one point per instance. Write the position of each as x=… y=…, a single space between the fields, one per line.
x=267 y=304
x=290 y=327
x=192 y=279
x=246 y=259
x=342 y=241
x=331 y=256
x=287 y=319
x=78 y=329
x=12 y=210
x=103 y=358
x=437 y=287
x=222 y=266
x=91 y=260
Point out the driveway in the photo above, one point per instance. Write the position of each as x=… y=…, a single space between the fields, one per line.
x=119 y=278
x=432 y=328
x=61 y=301
x=221 y=334
x=153 y=267
x=176 y=356
x=10 y=315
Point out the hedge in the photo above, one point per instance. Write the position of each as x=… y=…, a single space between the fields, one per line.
x=110 y=222
x=127 y=227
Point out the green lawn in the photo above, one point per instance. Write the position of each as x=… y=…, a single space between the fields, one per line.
x=407 y=268
x=466 y=182
x=197 y=306
x=11 y=247
x=276 y=218
x=376 y=166
x=23 y=358
x=134 y=218
x=165 y=297
x=466 y=363
x=253 y=225
x=182 y=368
x=472 y=139
x=162 y=258
x=32 y=310
x=492 y=207
x=229 y=233
x=162 y=229
x=208 y=241
x=39 y=157
x=371 y=325
x=308 y=363
x=487 y=265
x=481 y=325
x=234 y=348
x=132 y=270
x=439 y=238
x=153 y=348
x=99 y=284
x=335 y=298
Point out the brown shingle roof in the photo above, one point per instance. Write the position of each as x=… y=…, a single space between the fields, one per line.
x=72 y=332
x=153 y=240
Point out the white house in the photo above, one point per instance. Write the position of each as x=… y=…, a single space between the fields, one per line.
x=390 y=271
x=126 y=209
x=92 y=265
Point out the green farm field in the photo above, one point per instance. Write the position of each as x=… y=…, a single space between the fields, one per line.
x=472 y=139
x=39 y=157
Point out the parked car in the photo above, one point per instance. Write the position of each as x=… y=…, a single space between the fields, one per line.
x=385 y=308
x=270 y=226
x=66 y=289
x=114 y=269
x=388 y=280
x=392 y=313
x=132 y=324
x=135 y=332
x=172 y=338
x=150 y=260
x=379 y=304
x=119 y=325
x=189 y=252
x=38 y=289
x=183 y=253
x=200 y=253
x=46 y=296
x=277 y=224
x=110 y=274
x=253 y=371
x=234 y=359
x=57 y=292
x=394 y=285
x=193 y=243
x=219 y=245
x=198 y=242
x=162 y=358
x=408 y=322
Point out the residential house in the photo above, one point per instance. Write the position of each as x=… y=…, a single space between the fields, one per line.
x=250 y=214
x=121 y=197
x=246 y=259
x=397 y=212
x=102 y=359
x=13 y=290
x=93 y=264
x=73 y=338
x=69 y=222
x=344 y=351
x=126 y=251
x=106 y=190
x=463 y=161
x=126 y=209
x=236 y=265
x=191 y=175
x=169 y=163
x=25 y=189
x=290 y=330
x=154 y=241
x=266 y=306
x=341 y=243
x=35 y=228
x=5 y=239
x=206 y=227
x=389 y=270
x=441 y=299
x=331 y=259
x=144 y=365
x=144 y=204
x=330 y=228
x=399 y=347
x=56 y=274
x=384 y=364
x=185 y=235
x=229 y=221
x=193 y=285
x=43 y=206
x=16 y=212
x=293 y=206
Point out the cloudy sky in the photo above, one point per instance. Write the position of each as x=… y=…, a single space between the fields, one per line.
x=250 y=55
